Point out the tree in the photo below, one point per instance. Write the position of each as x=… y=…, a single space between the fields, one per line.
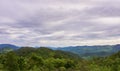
x=11 y=62
x=35 y=61
x=22 y=63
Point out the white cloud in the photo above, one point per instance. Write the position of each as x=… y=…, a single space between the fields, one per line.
x=4 y=20
x=59 y=22
x=107 y=20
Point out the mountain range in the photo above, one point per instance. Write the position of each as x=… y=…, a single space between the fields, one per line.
x=8 y=47
x=82 y=51
x=88 y=51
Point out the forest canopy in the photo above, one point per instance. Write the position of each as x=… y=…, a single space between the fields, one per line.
x=45 y=59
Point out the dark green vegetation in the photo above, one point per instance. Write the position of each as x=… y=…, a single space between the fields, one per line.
x=45 y=59
x=37 y=59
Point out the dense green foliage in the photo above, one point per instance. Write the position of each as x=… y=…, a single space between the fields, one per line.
x=44 y=59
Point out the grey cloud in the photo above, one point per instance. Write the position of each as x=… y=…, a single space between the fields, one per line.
x=105 y=11
x=37 y=21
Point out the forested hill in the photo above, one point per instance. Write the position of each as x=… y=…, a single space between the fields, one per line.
x=37 y=59
x=45 y=52
x=82 y=51
x=45 y=59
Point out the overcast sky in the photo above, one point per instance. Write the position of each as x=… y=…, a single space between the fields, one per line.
x=59 y=22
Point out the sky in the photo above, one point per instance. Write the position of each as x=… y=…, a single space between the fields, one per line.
x=59 y=22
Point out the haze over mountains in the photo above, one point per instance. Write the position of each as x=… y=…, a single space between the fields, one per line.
x=82 y=51
x=86 y=51
x=8 y=47
x=77 y=58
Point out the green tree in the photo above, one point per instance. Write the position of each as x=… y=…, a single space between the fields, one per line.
x=22 y=63
x=11 y=62
x=35 y=61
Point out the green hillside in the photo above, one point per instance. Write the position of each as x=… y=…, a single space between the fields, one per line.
x=45 y=59
x=37 y=59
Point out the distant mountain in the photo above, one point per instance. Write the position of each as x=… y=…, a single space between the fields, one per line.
x=116 y=48
x=7 y=47
x=82 y=51
x=90 y=51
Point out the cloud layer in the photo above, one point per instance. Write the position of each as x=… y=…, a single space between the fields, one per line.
x=59 y=22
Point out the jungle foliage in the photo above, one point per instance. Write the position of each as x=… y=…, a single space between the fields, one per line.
x=45 y=59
